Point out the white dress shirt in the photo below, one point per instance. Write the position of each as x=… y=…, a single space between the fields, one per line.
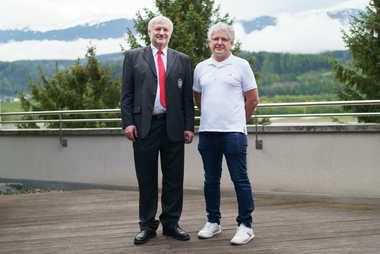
x=158 y=108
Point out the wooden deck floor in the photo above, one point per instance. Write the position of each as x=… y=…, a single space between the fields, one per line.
x=104 y=221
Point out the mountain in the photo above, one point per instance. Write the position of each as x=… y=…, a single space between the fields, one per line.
x=257 y=23
x=343 y=15
x=261 y=22
x=117 y=28
x=104 y=30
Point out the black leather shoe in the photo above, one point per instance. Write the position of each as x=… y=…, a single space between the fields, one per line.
x=177 y=233
x=144 y=236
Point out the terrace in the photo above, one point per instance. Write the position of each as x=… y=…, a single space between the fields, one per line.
x=315 y=185
x=106 y=221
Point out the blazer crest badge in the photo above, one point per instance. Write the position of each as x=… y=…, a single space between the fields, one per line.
x=179 y=83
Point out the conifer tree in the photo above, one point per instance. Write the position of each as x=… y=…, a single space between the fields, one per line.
x=361 y=76
x=79 y=87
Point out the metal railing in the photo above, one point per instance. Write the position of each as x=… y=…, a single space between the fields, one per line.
x=261 y=105
x=316 y=104
x=60 y=113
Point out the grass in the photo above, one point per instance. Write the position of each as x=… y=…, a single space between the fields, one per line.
x=7 y=107
x=11 y=107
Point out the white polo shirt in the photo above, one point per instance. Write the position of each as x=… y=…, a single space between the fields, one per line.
x=222 y=85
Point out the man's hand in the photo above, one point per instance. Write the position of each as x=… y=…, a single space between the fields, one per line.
x=198 y=99
x=252 y=97
x=131 y=133
x=189 y=135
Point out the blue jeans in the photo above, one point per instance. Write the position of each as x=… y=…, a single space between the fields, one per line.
x=212 y=146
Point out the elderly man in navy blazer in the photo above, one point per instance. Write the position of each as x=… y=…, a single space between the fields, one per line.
x=158 y=117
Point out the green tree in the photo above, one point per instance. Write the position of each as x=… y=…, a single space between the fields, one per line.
x=361 y=76
x=76 y=88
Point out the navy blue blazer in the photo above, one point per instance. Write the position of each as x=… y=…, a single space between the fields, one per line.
x=139 y=86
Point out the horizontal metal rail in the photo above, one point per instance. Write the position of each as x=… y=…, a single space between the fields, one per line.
x=64 y=112
x=260 y=105
x=265 y=105
x=318 y=103
x=66 y=120
x=320 y=115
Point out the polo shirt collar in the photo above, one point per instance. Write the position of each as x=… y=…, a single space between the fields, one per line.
x=222 y=63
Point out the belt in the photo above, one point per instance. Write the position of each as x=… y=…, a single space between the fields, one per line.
x=159 y=117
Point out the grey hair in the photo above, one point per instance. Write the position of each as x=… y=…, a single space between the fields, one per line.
x=221 y=27
x=160 y=19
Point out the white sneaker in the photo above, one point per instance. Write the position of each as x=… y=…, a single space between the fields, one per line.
x=243 y=235
x=209 y=230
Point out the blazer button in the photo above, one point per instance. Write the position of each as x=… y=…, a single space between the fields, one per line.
x=154 y=94
x=151 y=109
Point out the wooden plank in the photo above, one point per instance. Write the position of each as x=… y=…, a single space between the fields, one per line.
x=104 y=221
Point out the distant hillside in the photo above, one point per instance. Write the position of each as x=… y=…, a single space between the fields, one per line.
x=280 y=73
x=295 y=74
x=286 y=63
x=14 y=75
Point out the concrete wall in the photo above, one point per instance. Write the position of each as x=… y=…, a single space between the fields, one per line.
x=326 y=160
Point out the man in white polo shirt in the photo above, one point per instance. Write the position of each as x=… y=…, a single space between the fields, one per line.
x=220 y=85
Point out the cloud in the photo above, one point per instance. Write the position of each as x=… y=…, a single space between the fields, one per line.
x=44 y=15
x=352 y=4
x=249 y=9
x=306 y=32
x=57 y=50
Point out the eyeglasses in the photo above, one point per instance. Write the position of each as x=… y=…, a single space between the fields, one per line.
x=217 y=39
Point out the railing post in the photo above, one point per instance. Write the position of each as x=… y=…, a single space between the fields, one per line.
x=259 y=143
x=62 y=142
x=60 y=129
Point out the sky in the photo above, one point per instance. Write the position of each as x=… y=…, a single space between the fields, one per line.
x=301 y=25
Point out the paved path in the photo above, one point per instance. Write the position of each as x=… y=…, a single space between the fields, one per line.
x=104 y=221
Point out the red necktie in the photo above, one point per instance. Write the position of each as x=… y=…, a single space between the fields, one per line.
x=161 y=72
